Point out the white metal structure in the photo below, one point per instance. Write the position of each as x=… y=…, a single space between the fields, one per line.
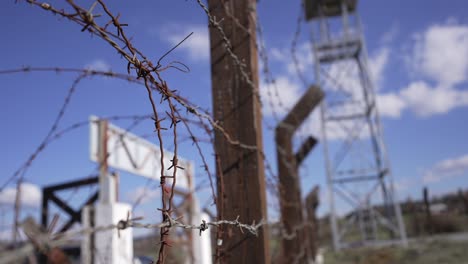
x=358 y=171
x=108 y=246
x=115 y=147
x=135 y=154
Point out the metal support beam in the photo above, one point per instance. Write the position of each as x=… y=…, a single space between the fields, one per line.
x=49 y=195
x=359 y=146
x=355 y=178
x=63 y=205
x=71 y=184
x=77 y=219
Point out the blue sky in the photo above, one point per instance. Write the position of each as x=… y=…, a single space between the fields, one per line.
x=418 y=56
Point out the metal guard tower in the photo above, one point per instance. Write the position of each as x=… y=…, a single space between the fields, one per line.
x=358 y=171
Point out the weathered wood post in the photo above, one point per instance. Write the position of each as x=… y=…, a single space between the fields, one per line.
x=237 y=109
x=427 y=209
x=312 y=203
x=295 y=245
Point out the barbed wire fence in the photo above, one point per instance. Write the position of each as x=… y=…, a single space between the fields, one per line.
x=142 y=71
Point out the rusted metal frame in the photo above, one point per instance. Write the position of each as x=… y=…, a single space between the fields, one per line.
x=45 y=209
x=63 y=205
x=290 y=193
x=48 y=194
x=70 y=222
x=71 y=184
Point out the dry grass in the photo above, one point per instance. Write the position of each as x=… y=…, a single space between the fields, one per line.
x=435 y=252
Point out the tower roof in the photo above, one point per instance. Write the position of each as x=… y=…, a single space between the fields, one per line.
x=327 y=8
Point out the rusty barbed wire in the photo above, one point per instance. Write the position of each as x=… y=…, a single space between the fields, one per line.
x=267 y=75
x=148 y=75
x=51 y=135
x=77 y=125
x=22 y=170
x=200 y=152
x=294 y=43
x=228 y=46
x=144 y=69
x=272 y=181
x=46 y=240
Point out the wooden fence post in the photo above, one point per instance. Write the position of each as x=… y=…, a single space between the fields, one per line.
x=295 y=245
x=237 y=109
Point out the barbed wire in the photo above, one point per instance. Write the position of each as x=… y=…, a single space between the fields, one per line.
x=145 y=70
x=44 y=241
x=228 y=46
x=202 y=156
x=148 y=75
x=47 y=240
x=295 y=42
x=51 y=134
x=22 y=170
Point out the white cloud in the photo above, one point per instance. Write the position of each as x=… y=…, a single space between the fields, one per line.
x=441 y=53
x=31 y=195
x=304 y=55
x=305 y=59
x=377 y=65
x=344 y=76
x=98 y=65
x=197 y=45
x=390 y=105
x=422 y=99
x=286 y=93
x=425 y=100
x=390 y=35
x=142 y=195
x=279 y=97
x=447 y=169
x=439 y=59
x=347 y=81
x=347 y=71
x=278 y=55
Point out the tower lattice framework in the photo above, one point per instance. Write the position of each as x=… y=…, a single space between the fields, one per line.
x=363 y=210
